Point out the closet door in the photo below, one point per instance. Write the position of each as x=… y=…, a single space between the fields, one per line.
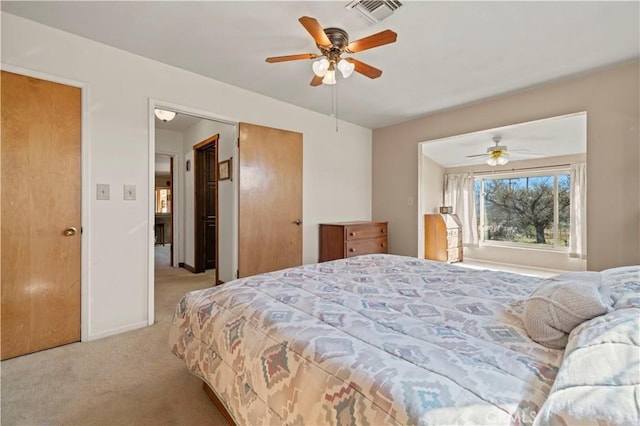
x=41 y=183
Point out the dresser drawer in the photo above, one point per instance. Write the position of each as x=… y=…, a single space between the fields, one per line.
x=367 y=246
x=356 y=232
x=345 y=239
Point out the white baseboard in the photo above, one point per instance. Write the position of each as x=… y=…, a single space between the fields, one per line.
x=511 y=267
x=114 y=331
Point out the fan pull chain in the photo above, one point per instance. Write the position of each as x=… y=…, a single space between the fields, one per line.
x=335 y=90
x=334 y=104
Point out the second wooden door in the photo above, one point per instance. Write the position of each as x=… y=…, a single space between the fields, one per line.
x=206 y=208
x=270 y=199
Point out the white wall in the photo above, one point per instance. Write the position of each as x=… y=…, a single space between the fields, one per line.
x=168 y=141
x=336 y=176
x=226 y=220
x=431 y=187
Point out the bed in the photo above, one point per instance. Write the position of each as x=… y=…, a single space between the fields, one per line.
x=385 y=339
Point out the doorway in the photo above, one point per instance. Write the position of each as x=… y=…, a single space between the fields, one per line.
x=164 y=208
x=259 y=219
x=176 y=139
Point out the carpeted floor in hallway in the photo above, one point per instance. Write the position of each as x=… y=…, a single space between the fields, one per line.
x=128 y=379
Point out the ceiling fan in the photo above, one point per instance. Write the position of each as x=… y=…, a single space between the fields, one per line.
x=333 y=42
x=496 y=155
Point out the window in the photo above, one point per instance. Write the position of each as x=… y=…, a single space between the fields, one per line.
x=525 y=209
x=163 y=198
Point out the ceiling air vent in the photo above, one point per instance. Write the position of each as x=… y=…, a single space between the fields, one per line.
x=374 y=11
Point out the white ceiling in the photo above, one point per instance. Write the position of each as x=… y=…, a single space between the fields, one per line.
x=447 y=53
x=180 y=123
x=552 y=137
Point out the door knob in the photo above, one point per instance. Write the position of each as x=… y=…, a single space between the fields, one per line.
x=71 y=231
x=298 y=222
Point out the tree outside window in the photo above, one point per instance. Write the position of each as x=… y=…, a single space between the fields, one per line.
x=532 y=210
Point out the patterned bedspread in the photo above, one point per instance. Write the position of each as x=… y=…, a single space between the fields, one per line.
x=370 y=340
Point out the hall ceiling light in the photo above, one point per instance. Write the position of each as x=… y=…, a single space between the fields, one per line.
x=164 y=115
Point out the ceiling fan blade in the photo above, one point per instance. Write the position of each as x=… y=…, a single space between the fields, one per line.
x=316 y=81
x=365 y=69
x=316 y=31
x=375 y=40
x=274 y=59
x=526 y=154
x=477 y=155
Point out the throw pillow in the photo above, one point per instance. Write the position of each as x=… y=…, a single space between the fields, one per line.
x=557 y=306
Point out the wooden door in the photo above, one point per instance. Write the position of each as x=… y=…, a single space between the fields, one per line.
x=41 y=177
x=270 y=199
x=206 y=186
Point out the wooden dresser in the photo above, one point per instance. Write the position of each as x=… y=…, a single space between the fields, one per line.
x=346 y=239
x=443 y=237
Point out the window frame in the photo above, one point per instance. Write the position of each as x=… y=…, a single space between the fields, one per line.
x=517 y=174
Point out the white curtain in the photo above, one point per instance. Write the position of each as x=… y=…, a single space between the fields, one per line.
x=578 y=215
x=458 y=193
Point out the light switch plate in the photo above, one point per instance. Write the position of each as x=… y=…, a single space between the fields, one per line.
x=102 y=191
x=129 y=192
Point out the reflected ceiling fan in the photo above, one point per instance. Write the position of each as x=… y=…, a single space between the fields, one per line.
x=499 y=155
x=333 y=42
x=496 y=155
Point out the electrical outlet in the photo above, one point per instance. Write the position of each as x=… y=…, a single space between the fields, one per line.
x=129 y=192
x=410 y=201
x=102 y=191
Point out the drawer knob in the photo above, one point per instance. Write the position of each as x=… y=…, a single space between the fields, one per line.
x=352 y=250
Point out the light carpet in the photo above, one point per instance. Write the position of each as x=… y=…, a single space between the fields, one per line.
x=128 y=379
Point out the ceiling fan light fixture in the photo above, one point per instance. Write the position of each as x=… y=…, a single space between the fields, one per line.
x=333 y=42
x=164 y=115
x=321 y=67
x=329 y=77
x=346 y=68
x=497 y=157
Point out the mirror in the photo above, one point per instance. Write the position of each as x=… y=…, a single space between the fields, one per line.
x=519 y=203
